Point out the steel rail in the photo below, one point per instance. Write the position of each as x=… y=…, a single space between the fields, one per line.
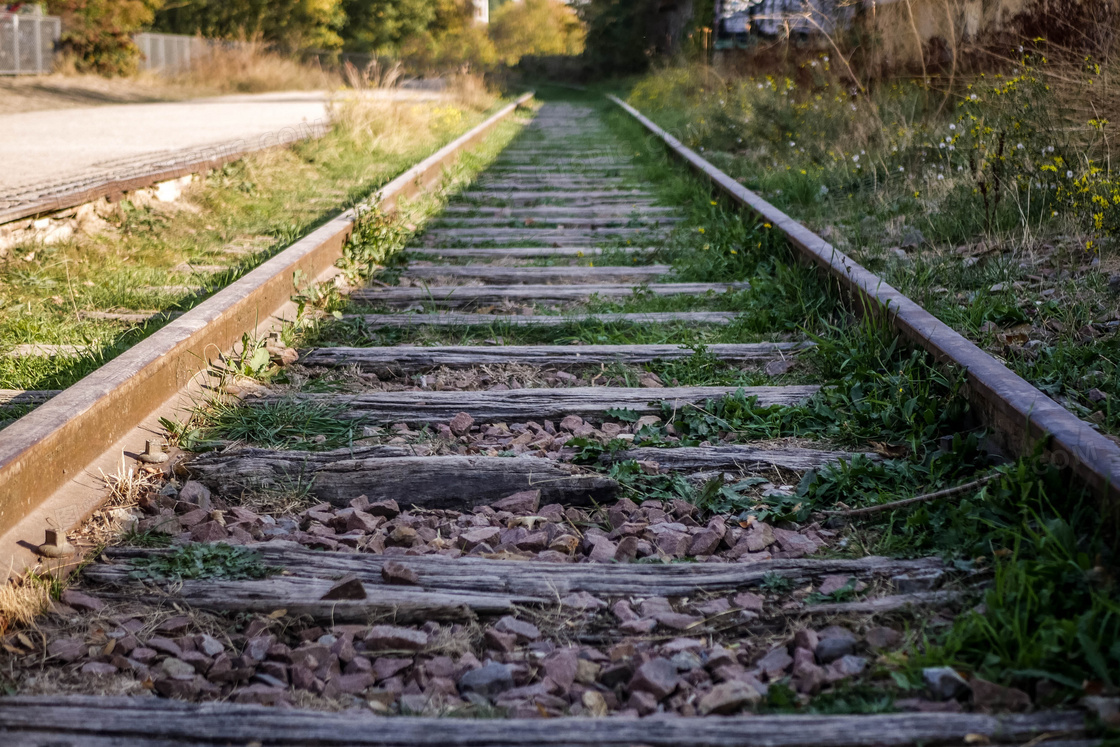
x=51 y=447
x=1020 y=415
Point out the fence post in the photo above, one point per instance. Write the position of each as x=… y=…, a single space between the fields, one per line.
x=15 y=40
x=39 y=46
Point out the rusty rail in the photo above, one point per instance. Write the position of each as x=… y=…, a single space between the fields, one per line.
x=52 y=446
x=1020 y=415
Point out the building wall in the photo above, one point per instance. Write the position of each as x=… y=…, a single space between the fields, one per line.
x=482 y=11
x=905 y=27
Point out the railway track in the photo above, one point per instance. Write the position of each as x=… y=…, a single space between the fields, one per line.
x=477 y=519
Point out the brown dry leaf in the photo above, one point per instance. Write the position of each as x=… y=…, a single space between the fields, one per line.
x=891 y=451
x=277 y=614
x=12 y=649
x=1016 y=335
x=529 y=522
x=506 y=555
x=594 y=701
x=976 y=739
x=1092 y=687
x=25 y=641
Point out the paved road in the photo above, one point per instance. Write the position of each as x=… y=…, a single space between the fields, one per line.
x=44 y=148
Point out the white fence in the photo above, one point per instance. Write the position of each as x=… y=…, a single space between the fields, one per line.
x=27 y=43
x=170 y=53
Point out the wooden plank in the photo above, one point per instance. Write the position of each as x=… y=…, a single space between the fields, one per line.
x=397 y=360
x=556 y=185
x=537 y=194
x=458 y=296
x=737 y=457
x=529 y=275
x=100 y=721
x=26 y=397
x=458 y=482
x=452 y=319
x=560 y=235
x=588 y=211
x=883 y=605
x=554 y=199
x=604 y=171
x=519 y=405
x=302 y=596
x=553 y=161
x=525 y=251
x=543 y=581
x=557 y=222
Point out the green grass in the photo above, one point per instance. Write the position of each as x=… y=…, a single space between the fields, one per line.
x=201 y=561
x=280 y=424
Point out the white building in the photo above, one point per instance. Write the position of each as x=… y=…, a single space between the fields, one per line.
x=482 y=11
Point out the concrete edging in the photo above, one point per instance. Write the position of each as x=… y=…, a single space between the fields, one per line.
x=115 y=188
x=1021 y=414
x=52 y=446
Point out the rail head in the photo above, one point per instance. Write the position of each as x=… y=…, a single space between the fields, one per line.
x=1021 y=415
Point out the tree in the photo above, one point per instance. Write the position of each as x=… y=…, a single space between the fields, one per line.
x=452 y=40
x=623 y=36
x=536 y=27
x=98 y=33
x=381 y=25
x=288 y=24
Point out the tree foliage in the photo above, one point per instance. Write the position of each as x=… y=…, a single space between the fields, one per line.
x=381 y=25
x=97 y=33
x=535 y=27
x=624 y=36
x=432 y=34
x=288 y=24
x=452 y=40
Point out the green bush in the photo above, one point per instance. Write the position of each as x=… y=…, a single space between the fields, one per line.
x=97 y=33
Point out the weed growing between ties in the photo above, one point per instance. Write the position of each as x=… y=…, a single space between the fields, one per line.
x=280 y=424
x=201 y=561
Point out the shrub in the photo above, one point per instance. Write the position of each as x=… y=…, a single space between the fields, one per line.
x=97 y=33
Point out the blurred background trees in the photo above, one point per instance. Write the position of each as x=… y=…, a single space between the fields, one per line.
x=621 y=36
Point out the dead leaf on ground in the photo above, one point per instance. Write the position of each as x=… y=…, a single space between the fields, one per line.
x=891 y=451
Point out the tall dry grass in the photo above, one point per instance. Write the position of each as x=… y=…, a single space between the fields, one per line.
x=251 y=68
x=21 y=601
x=469 y=91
